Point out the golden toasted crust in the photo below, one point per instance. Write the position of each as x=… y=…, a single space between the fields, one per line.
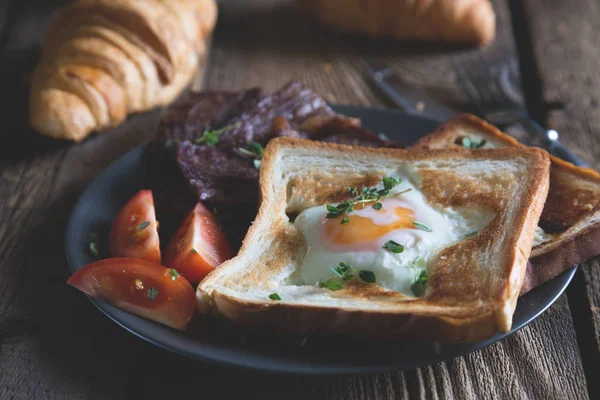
x=571 y=212
x=482 y=300
x=459 y=21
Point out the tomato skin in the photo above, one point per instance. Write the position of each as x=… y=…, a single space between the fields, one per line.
x=134 y=232
x=198 y=246
x=140 y=287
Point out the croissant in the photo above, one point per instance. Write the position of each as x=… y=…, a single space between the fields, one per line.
x=104 y=59
x=458 y=21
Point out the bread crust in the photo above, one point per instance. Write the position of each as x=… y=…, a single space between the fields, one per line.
x=458 y=21
x=447 y=317
x=571 y=211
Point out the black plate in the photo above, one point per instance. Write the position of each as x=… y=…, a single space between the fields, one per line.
x=218 y=342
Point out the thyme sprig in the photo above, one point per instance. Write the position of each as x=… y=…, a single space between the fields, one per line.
x=469 y=143
x=211 y=136
x=365 y=195
x=345 y=272
x=254 y=150
x=418 y=285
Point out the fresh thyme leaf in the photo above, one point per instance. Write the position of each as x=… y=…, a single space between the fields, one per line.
x=331 y=208
x=393 y=246
x=334 y=285
x=152 y=293
x=418 y=286
x=194 y=251
x=469 y=143
x=330 y=284
x=377 y=206
x=389 y=182
x=143 y=225
x=468 y=235
x=466 y=142
x=344 y=220
x=173 y=273
x=257 y=149
x=94 y=248
x=344 y=271
x=367 y=276
x=274 y=296
x=422 y=226
x=211 y=137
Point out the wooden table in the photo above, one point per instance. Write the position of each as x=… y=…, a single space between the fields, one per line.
x=55 y=345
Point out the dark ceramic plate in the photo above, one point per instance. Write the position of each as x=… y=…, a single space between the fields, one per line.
x=216 y=341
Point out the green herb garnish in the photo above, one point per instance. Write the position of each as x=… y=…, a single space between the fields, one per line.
x=94 y=248
x=274 y=296
x=418 y=286
x=469 y=143
x=344 y=271
x=422 y=226
x=152 y=293
x=254 y=150
x=194 y=251
x=367 y=276
x=365 y=195
x=330 y=284
x=211 y=137
x=393 y=246
x=389 y=183
x=173 y=273
x=143 y=225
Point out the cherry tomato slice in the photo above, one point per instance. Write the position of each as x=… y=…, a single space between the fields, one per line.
x=140 y=287
x=134 y=233
x=198 y=246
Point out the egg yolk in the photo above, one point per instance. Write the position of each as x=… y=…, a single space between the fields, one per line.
x=363 y=229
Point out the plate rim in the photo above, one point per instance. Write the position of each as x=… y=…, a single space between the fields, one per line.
x=296 y=366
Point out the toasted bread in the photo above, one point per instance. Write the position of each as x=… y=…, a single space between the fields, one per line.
x=571 y=216
x=473 y=284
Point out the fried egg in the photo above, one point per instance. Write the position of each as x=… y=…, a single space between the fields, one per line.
x=360 y=242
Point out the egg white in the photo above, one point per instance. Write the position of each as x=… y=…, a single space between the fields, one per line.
x=393 y=271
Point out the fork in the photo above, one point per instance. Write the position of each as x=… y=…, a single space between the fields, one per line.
x=497 y=98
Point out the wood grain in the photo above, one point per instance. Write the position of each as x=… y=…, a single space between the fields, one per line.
x=54 y=344
x=564 y=46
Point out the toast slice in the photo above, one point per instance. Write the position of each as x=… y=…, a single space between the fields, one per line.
x=569 y=228
x=472 y=284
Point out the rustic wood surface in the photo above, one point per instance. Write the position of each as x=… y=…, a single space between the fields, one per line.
x=564 y=49
x=55 y=344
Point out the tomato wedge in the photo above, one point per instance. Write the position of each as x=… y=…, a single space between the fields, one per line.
x=140 y=287
x=134 y=232
x=198 y=246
